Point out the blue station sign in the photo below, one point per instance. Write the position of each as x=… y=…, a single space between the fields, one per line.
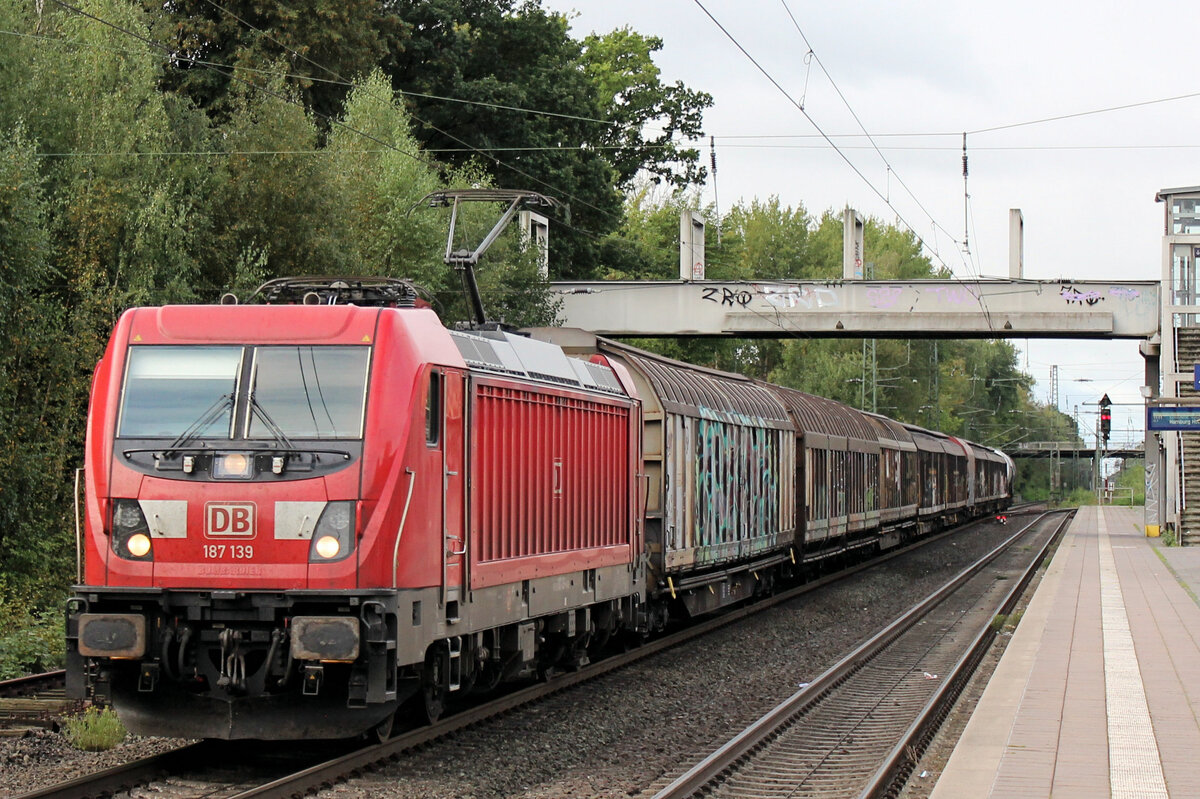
x=1172 y=418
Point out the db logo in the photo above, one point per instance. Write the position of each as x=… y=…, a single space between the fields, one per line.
x=229 y=520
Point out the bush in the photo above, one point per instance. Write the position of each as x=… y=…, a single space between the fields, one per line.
x=1079 y=497
x=32 y=638
x=94 y=730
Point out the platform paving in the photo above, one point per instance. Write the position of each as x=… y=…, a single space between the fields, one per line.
x=1098 y=693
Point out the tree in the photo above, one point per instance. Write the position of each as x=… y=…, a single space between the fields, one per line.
x=33 y=434
x=271 y=203
x=388 y=230
x=621 y=65
x=322 y=45
x=773 y=239
x=504 y=57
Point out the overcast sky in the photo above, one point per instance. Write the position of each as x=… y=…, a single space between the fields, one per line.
x=1086 y=185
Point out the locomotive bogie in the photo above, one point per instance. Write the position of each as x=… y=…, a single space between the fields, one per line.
x=234 y=664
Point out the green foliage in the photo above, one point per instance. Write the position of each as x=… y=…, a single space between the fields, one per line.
x=380 y=187
x=31 y=634
x=38 y=425
x=320 y=44
x=601 y=94
x=768 y=241
x=94 y=730
x=1079 y=497
x=1006 y=623
x=1132 y=476
x=621 y=66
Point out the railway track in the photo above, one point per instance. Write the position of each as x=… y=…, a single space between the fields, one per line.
x=32 y=702
x=860 y=727
x=189 y=771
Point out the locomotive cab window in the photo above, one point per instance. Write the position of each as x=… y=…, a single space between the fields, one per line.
x=308 y=392
x=433 y=410
x=172 y=390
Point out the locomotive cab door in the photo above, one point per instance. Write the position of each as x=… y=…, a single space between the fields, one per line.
x=454 y=550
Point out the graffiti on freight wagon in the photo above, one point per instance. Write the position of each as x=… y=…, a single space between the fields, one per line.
x=737 y=484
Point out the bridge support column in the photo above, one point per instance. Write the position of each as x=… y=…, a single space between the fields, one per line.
x=1155 y=460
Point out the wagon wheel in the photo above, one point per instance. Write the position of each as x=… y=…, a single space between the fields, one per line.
x=432 y=697
x=383 y=730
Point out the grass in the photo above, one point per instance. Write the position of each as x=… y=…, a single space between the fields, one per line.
x=94 y=730
x=1006 y=622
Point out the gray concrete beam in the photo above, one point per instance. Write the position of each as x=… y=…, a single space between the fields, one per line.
x=873 y=309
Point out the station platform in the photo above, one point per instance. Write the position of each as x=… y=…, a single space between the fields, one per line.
x=1098 y=692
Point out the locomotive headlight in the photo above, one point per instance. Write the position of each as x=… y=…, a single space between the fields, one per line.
x=327 y=547
x=138 y=545
x=130 y=533
x=333 y=538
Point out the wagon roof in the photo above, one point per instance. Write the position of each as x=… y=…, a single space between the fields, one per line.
x=820 y=415
x=894 y=430
x=700 y=391
x=932 y=441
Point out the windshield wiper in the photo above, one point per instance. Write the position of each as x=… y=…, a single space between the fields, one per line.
x=272 y=426
x=210 y=415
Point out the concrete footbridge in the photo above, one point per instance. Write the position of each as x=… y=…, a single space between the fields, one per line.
x=865 y=308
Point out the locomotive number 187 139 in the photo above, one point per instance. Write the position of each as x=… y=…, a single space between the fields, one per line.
x=234 y=551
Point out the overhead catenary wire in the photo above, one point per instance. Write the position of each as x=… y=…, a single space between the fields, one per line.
x=723 y=144
x=728 y=139
x=920 y=239
x=990 y=129
x=435 y=150
x=812 y=55
x=390 y=147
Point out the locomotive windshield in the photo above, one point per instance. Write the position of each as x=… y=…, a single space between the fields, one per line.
x=169 y=390
x=191 y=392
x=308 y=392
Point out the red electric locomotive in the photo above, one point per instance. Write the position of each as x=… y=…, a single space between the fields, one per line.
x=299 y=516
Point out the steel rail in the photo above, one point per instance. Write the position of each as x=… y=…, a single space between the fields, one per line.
x=22 y=686
x=34 y=701
x=713 y=768
x=127 y=775
x=898 y=766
